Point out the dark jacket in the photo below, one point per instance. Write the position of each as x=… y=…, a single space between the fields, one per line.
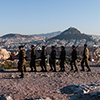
x=43 y=54
x=33 y=54
x=53 y=54
x=63 y=55
x=74 y=54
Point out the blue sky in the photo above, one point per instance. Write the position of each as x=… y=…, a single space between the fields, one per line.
x=43 y=16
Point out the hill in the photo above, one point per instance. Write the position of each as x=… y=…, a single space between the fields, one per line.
x=15 y=35
x=72 y=33
x=48 y=34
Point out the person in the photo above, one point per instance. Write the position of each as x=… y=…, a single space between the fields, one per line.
x=85 y=58
x=62 y=58
x=42 y=62
x=12 y=56
x=74 y=59
x=52 y=59
x=33 y=58
x=21 y=63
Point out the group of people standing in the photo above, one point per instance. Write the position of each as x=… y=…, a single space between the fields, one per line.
x=84 y=59
x=52 y=59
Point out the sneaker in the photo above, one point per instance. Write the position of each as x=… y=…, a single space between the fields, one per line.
x=75 y=71
x=82 y=70
x=21 y=76
x=88 y=70
x=51 y=70
x=42 y=71
x=60 y=70
x=63 y=70
x=71 y=69
x=45 y=71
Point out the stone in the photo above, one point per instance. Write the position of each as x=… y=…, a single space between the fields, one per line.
x=12 y=76
x=4 y=54
x=3 y=97
x=99 y=95
x=86 y=91
x=80 y=89
x=73 y=98
x=94 y=94
x=2 y=69
x=57 y=92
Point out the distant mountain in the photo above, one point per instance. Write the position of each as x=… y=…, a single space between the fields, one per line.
x=96 y=35
x=48 y=34
x=72 y=33
x=14 y=35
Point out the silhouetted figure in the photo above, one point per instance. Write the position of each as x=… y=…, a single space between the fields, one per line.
x=74 y=59
x=52 y=59
x=33 y=58
x=42 y=62
x=62 y=58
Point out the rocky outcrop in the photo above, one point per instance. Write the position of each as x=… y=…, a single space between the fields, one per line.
x=4 y=54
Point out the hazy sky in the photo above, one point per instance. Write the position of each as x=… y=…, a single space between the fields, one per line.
x=43 y=16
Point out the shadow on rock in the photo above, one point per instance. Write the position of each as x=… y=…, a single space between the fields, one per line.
x=8 y=71
x=68 y=89
x=84 y=97
x=94 y=65
x=82 y=92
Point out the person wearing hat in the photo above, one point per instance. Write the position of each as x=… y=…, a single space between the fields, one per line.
x=74 y=59
x=21 y=63
x=52 y=59
x=62 y=58
x=85 y=58
x=42 y=62
x=33 y=58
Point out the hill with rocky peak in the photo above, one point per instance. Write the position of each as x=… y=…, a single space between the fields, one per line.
x=72 y=33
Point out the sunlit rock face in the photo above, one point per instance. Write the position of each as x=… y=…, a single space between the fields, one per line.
x=4 y=54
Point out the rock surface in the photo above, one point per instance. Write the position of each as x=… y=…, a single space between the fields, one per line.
x=52 y=85
x=4 y=54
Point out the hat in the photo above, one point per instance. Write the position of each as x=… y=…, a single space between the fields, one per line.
x=53 y=46
x=85 y=44
x=32 y=45
x=73 y=46
x=21 y=46
x=62 y=47
x=43 y=46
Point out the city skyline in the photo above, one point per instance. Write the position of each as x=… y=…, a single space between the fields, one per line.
x=35 y=17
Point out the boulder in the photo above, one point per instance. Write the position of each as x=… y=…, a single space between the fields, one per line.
x=3 y=97
x=4 y=54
